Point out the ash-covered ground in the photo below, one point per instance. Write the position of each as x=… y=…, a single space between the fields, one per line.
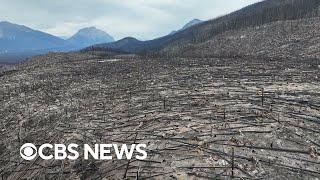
x=215 y=118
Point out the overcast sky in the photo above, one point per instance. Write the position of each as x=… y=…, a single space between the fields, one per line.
x=143 y=19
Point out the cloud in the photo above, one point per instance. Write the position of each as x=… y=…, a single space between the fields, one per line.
x=144 y=19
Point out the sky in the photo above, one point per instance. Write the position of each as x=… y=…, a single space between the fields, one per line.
x=143 y=19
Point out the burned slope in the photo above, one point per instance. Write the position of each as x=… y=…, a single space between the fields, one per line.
x=254 y=15
x=282 y=39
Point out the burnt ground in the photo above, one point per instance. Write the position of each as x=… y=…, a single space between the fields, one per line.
x=200 y=118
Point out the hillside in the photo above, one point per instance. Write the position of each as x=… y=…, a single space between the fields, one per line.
x=286 y=39
x=254 y=15
x=128 y=44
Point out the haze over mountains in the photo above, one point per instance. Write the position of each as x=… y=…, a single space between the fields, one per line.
x=199 y=38
x=16 y=38
x=18 y=42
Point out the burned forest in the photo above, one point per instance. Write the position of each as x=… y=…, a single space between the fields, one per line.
x=200 y=118
x=234 y=97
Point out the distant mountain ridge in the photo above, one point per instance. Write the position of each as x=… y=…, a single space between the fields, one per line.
x=132 y=45
x=192 y=36
x=89 y=36
x=14 y=37
x=18 y=42
x=189 y=24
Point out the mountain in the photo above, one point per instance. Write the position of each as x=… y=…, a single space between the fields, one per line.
x=89 y=36
x=193 y=37
x=189 y=24
x=253 y=15
x=18 y=38
x=132 y=45
x=18 y=42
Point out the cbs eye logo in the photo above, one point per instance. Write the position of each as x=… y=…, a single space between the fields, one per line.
x=28 y=151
